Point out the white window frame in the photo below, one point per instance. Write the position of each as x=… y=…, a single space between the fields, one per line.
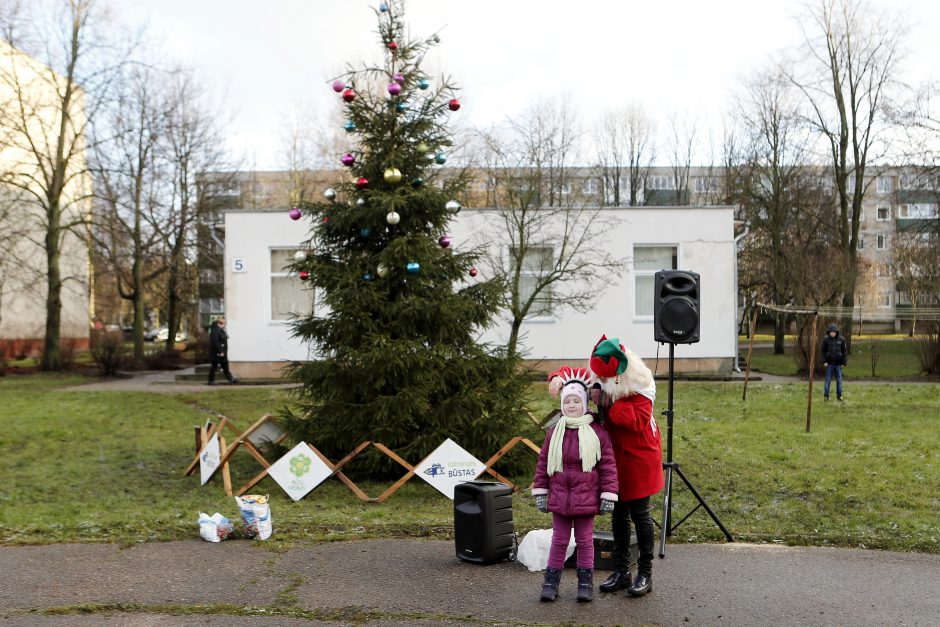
x=591 y=185
x=883 y=185
x=537 y=317
x=642 y=273
x=887 y=213
x=269 y=305
x=885 y=301
x=881 y=243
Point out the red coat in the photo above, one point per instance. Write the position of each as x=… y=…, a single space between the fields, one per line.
x=637 y=446
x=573 y=492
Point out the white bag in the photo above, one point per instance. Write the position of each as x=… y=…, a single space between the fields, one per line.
x=534 y=548
x=214 y=528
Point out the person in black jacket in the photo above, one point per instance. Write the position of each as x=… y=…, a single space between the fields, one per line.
x=834 y=355
x=218 y=351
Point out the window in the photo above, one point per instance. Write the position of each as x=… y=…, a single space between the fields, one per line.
x=537 y=262
x=288 y=294
x=706 y=184
x=885 y=300
x=920 y=211
x=861 y=243
x=590 y=186
x=883 y=214
x=883 y=184
x=647 y=261
x=882 y=243
x=661 y=182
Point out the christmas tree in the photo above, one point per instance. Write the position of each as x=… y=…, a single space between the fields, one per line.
x=397 y=309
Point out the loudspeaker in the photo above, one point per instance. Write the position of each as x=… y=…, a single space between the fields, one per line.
x=604 y=552
x=483 y=530
x=676 y=307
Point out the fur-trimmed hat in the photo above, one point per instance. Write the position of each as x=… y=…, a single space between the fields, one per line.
x=608 y=359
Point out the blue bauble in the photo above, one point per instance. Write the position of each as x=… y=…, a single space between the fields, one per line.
x=413 y=268
x=383 y=7
x=365 y=231
x=367 y=276
x=401 y=107
x=424 y=83
x=440 y=158
x=350 y=126
x=417 y=182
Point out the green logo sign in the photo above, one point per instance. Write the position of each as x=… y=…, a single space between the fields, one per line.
x=300 y=464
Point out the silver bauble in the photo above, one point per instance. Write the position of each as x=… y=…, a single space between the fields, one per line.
x=453 y=206
x=300 y=256
x=329 y=193
x=393 y=218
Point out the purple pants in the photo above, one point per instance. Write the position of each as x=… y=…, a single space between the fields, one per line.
x=583 y=538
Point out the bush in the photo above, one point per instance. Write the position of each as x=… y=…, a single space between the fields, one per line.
x=927 y=346
x=108 y=351
x=163 y=360
x=67 y=353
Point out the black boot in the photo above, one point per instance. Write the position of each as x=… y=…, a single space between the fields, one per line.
x=618 y=580
x=585 y=585
x=550 y=585
x=643 y=584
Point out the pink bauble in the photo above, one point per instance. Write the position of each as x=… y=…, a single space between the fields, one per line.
x=362 y=182
x=394 y=89
x=295 y=214
x=444 y=241
x=473 y=271
x=392 y=45
x=338 y=85
x=399 y=78
x=348 y=159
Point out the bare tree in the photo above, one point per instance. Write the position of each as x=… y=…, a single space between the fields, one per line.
x=625 y=150
x=916 y=264
x=50 y=97
x=850 y=68
x=546 y=241
x=132 y=188
x=680 y=143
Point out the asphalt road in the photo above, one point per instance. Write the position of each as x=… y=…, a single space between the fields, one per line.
x=420 y=582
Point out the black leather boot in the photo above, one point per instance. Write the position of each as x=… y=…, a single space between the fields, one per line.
x=643 y=584
x=550 y=585
x=618 y=580
x=585 y=585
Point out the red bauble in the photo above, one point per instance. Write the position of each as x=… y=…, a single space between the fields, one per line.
x=392 y=46
x=454 y=104
x=326 y=219
x=304 y=275
x=349 y=95
x=362 y=182
x=473 y=271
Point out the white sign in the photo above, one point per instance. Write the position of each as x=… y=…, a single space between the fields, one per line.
x=238 y=265
x=300 y=471
x=209 y=458
x=449 y=465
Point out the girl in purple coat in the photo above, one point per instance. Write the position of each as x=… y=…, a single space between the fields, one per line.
x=575 y=479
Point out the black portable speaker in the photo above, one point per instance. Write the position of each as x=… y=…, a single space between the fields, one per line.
x=604 y=552
x=676 y=307
x=483 y=530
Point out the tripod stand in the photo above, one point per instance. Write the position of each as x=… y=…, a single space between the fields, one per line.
x=671 y=467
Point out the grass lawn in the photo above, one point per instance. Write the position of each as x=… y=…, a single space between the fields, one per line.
x=895 y=358
x=105 y=466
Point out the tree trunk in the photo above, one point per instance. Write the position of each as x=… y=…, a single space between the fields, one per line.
x=50 y=351
x=780 y=328
x=172 y=309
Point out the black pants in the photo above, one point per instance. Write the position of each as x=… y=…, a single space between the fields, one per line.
x=639 y=511
x=223 y=363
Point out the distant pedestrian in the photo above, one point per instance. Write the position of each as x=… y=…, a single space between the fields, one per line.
x=218 y=351
x=834 y=356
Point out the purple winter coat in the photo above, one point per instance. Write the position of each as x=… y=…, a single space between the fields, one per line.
x=573 y=492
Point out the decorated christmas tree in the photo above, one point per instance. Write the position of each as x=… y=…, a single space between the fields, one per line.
x=397 y=308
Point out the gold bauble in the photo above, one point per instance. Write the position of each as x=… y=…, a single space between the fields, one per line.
x=392 y=175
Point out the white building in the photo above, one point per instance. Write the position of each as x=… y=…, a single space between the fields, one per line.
x=259 y=296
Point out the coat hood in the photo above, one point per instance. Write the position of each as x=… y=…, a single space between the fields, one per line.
x=832 y=327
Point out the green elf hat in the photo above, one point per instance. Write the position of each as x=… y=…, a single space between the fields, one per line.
x=608 y=358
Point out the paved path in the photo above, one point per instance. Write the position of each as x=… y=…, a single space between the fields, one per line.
x=162 y=381
x=420 y=582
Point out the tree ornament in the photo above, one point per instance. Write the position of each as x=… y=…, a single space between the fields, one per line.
x=422 y=148
x=413 y=267
x=444 y=242
x=394 y=89
x=349 y=95
x=383 y=7
x=454 y=104
x=424 y=83
x=381 y=270
x=338 y=85
x=401 y=107
x=329 y=193
x=304 y=275
x=367 y=276
x=365 y=231
x=399 y=78
x=294 y=214
x=453 y=206
x=393 y=46
x=392 y=175
x=473 y=271
x=417 y=182
x=350 y=126
x=348 y=159
x=362 y=182
x=300 y=256
x=360 y=202
x=440 y=158
x=393 y=218
x=326 y=219
x=436 y=38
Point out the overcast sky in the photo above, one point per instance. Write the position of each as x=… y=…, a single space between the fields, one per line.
x=264 y=58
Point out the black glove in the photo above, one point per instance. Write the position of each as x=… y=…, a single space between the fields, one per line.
x=541 y=503
x=606 y=506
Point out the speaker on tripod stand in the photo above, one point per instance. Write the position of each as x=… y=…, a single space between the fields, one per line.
x=676 y=321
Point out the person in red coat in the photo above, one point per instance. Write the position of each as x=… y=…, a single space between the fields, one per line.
x=628 y=391
x=575 y=479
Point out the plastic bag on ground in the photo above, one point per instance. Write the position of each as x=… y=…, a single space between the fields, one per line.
x=256 y=514
x=534 y=548
x=214 y=528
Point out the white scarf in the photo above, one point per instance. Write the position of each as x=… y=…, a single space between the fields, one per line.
x=589 y=445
